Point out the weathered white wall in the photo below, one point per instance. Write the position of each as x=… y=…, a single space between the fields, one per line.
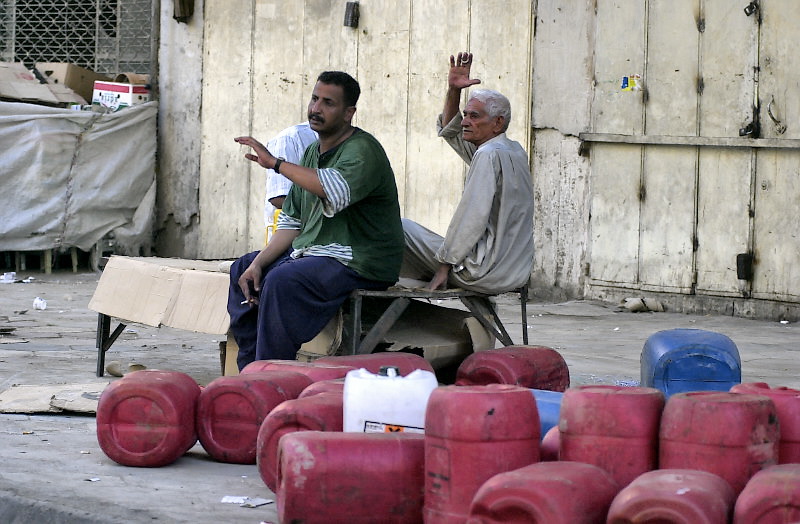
x=676 y=192
x=776 y=185
x=636 y=214
x=180 y=62
x=267 y=55
x=562 y=96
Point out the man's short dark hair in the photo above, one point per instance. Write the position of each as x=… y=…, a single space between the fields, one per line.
x=348 y=84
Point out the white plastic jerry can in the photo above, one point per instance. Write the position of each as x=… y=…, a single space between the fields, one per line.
x=387 y=402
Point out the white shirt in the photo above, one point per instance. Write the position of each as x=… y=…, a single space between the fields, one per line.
x=289 y=144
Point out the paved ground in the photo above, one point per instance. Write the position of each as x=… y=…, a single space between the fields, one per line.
x=54 y=471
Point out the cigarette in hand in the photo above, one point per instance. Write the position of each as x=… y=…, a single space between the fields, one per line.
x=243 y=302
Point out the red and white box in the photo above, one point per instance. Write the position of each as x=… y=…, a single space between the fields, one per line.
x=116 y=96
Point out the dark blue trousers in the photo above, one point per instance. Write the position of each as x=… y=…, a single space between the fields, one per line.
x=298 y=298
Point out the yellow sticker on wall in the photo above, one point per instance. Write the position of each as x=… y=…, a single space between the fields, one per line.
x=631 y=83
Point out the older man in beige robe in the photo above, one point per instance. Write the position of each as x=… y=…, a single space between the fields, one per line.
x=488 y=246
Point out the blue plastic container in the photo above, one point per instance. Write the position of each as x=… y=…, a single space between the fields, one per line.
x=548 y=403
x=680 y=360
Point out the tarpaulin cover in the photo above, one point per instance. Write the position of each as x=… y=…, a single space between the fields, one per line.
x=70 y=177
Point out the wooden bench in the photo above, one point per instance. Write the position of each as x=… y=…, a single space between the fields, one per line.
x=192 y=295
x=478 y=304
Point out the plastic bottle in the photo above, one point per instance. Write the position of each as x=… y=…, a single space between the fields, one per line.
x=471 y=434
x=613 y=427
x=537 y=367
x=387 y=402
x=147 y=418
x=351 y=478
x=732 y=435
x=230 y=411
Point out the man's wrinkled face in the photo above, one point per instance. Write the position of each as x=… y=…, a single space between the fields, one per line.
x=477 y=125
x=327 y=110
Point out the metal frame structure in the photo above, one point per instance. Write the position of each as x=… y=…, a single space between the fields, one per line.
x=478 y=304
x=106 y=36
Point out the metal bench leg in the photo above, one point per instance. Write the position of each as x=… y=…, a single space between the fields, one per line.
x=523 y=306
x=383 y=325
x=104 y=340
x=355 y=322
x=483 y=311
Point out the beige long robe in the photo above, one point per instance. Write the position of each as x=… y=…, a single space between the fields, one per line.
x=489 y=241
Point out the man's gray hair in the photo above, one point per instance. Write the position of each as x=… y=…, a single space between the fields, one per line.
x=496 y=104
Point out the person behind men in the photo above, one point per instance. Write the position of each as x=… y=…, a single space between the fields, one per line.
x=339 y=230
x=289 y=145
x=488 y=246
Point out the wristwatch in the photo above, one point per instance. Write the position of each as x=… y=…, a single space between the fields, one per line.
x=277 y=167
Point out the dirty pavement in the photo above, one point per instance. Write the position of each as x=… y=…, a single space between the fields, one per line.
x=54 y=471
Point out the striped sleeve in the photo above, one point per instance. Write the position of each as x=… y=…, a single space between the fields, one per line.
x=287 y=222
x=343 y=254
x=337 y=191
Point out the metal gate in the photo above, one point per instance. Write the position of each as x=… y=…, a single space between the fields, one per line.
x=106 y=36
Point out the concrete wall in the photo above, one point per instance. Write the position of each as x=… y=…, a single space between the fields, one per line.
x=401 y=64
x=562 y=96
x=681 y=189
x=645 y=191
x=180 y=60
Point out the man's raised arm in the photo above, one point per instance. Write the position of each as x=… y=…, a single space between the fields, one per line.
x=457 y=79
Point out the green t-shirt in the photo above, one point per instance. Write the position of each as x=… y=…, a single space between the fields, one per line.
x=359 y=223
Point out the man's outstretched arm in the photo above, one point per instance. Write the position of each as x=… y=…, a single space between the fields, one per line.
x=304 y=177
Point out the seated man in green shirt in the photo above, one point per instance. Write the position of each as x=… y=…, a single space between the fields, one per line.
x=339 y=230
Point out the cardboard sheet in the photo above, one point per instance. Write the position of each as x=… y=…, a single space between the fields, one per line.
x=18 y=83
x=80 y=398
x=201 y=302
x=164 y=292
x=444 y=335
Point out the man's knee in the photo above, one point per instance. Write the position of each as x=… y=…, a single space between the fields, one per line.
x=240 y=265
x=281 y=279
x=315 y=278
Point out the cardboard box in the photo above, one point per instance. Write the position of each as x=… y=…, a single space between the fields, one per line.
x=78 y=79
x=117 y=95
x=133 y=78
x=66 y=95
x=190 y=295
x=17 y=83
x=173 y=292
